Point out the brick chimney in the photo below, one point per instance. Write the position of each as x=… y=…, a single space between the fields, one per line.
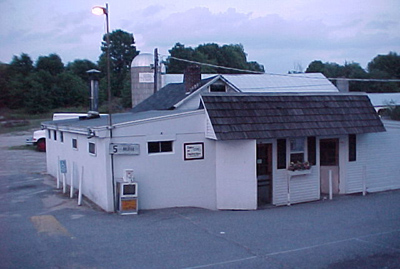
x=191 y=77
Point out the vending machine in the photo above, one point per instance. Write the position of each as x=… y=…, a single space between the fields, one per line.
x=127 y=192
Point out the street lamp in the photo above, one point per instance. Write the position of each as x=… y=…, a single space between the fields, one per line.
x=98 y=10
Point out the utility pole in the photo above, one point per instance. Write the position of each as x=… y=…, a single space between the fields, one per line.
x=155 y=70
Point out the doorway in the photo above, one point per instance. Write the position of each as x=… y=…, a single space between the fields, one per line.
x=329 y=161
x=264 y=174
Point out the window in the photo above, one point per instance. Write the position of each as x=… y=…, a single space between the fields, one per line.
x=217 y=88
x=55 y=135
x=49 y=134
x=74 y=143
x=312 y=150
x=92 y=148
x=281 y=153
x=62 y=137
x=297 y=150
x=329 y=150
x=158 y=147
x=352 y=148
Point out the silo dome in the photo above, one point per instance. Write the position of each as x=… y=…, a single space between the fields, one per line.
x=143 y=60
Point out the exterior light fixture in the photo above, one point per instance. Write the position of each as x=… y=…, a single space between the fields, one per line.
x=97 y=10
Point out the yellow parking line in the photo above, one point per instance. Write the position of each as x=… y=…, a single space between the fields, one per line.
x=49 y=225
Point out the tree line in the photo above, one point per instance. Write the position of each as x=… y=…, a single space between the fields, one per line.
x=382 y=67
x=47 y=83
x=232 y=56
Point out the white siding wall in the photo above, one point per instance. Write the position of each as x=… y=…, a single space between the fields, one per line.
x=378 y=161
x=383 y=164
x=96 y=184
x=355 y=171
x=236 y=174
x=164 y=179
x=303 y=188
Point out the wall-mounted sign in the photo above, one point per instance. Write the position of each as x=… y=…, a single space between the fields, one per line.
x=194 y=151
x=124 y=148
x=63 y=166
x=146 y=77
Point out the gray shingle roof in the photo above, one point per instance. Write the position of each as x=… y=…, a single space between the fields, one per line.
x=263 y=116
x=167 y=97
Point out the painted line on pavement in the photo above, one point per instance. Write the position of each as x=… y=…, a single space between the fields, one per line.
x=49 y=225
x=294 y=250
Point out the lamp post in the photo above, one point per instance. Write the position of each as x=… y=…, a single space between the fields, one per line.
x=98 y=10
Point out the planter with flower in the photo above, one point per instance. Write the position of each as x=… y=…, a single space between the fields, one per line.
x=299 y=168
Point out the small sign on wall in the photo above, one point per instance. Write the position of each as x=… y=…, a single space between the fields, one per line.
x=194 y=151
x=146 y=77
x=63 y=166
x=124 y=149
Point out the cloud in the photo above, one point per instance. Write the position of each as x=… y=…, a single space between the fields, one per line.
x=269 y=34
x=275 y=34
x=152 y=10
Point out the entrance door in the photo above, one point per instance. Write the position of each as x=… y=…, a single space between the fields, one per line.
x=264 y=174
x=329 y=160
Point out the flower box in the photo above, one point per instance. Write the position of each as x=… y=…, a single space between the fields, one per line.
x=299 y=172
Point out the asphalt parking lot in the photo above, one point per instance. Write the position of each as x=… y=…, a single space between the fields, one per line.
x=42 y=228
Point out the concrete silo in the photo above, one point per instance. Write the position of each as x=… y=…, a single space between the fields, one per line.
x=142 y=78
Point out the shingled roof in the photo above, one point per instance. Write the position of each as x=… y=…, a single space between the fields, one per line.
x=167 y=97
x=263 y=116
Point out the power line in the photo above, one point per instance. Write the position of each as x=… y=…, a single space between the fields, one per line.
x=216 y=66
x=283 y=75
x=366 y=79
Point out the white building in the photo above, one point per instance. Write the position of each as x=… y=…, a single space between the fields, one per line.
x=233 y=150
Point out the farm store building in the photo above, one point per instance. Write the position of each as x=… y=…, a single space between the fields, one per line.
x=234 y=152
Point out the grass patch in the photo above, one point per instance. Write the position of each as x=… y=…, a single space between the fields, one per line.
x=33 y=121
x=32 y=125
x=22 y=147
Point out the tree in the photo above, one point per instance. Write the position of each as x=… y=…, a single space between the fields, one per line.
x=70 y=90
x=385 y=66
x=232 y=56
x=39 y=98
x=315 y=67
x=19 y=69
x=4 y=85
x=122 y=51
x=348 y=70
x=80 y=68
x=51 y=64
x=181 y=52
x=21 y=65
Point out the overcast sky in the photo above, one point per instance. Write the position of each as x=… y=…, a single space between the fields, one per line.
x=280 y=34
